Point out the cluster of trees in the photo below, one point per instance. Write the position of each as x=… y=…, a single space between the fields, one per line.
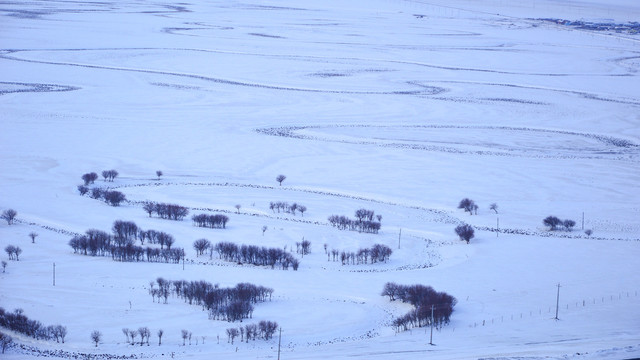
x=156 y=237
x=465 y=232
x=111 y=197
x=364 y=221
x=470 y=206
x=377 y=253
x=216 y=221
x=18 y=322
x=109 y=175
x=229 y=304
x=555 y=223
x=121 y=245
x=431 y=307
x=13 y=251
x=9 y=216
x=285 y=207
x=263 y=330
x=255 y=255
x=144 y=333
x=89 y=178
x=304 y=247
x=201 y=245
x=127 y=252
x=166 y=211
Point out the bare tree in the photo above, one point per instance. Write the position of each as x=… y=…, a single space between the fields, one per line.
x=201 y=245
x=238 y=206
x=232 y=334
x=109 y=175
x=588 y=232
x=17 y=251
x=160 y=333
x=468 y=205
x=114 y=198
x=568 y=224
x=9 y=215
x=185 y=335
x=465 y=232
x=280 y=178
x=133 y=334
x=168 y=241
x=83 y=189
x=494 y=207
x=159 y=174
x=125 y=331
x=96 y=337
x=96 y=193
x=145 y=333
x=89 y=178
x=61 y=331
x=264 y=228
x=5 y=341
x=10 y=249
x=4 y=266
x=149 y=207
x=33 y=236
x=302 y=209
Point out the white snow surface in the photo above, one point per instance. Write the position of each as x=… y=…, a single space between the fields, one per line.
x=402 y=107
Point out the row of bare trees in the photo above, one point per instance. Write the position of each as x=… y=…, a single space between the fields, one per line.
x=166 y=211
x=229 y=304
x=216 y=221
x=90 y=178
x=255 y=255
x=144 y=333
x=17 y=321
x=111 y=197
x=377 y=253
x=286 y=208
x=121 y=245
x=364 y=221
x=263 y=330
x=554 y=223
x=109 y=175
x=431 y=307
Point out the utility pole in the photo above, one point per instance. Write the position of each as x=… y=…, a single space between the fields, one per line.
x=279 y=342
x=399 y=236
x=557 y=302
x=54 y=274
x=431 y=337
x=182 y=262
x=583 y=220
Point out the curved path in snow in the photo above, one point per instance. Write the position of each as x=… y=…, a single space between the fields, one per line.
x=531 y=142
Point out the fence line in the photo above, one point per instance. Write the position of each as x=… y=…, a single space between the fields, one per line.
x=550 y=310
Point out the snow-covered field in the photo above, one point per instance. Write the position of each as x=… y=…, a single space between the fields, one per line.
x=401 y=107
